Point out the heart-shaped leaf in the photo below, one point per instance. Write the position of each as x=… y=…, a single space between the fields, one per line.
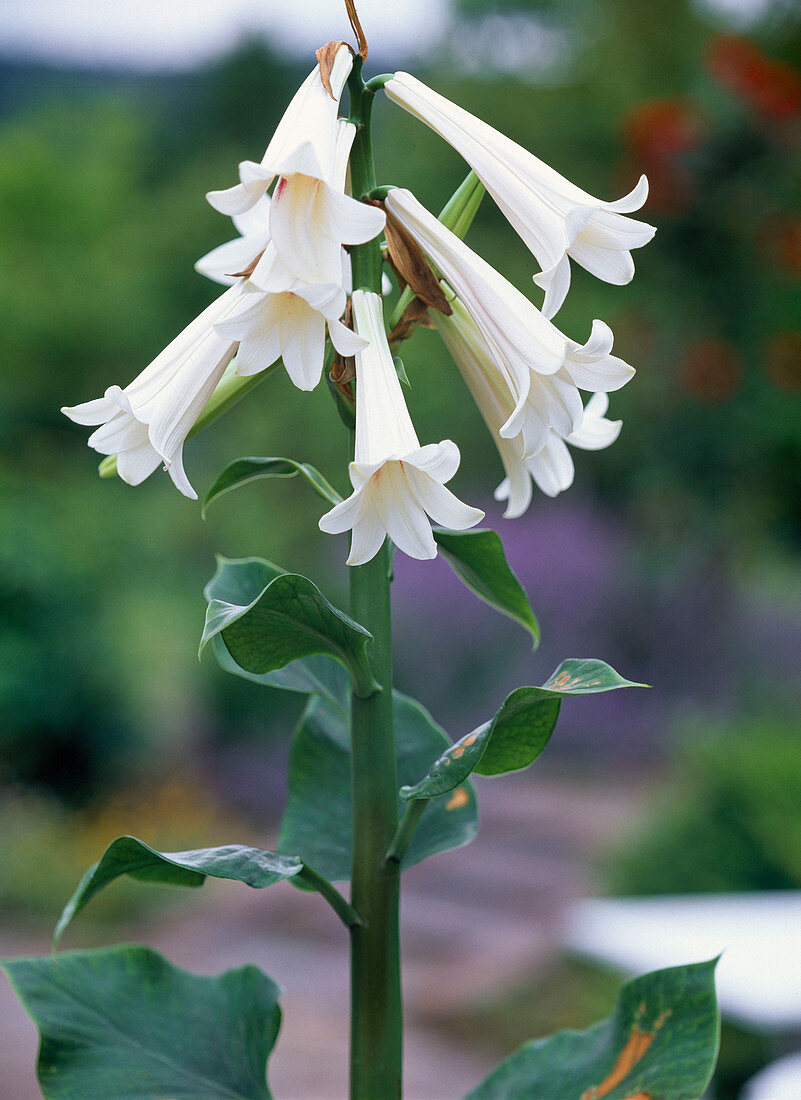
x=124 y=1024
x=244 y=470
x=478 y=559
x=267 y=618
x=520 y=730
x=661 y=1042
x=318 y=824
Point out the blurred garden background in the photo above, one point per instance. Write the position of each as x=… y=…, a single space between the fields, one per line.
x=676 y=556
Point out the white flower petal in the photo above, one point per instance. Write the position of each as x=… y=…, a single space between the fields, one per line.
x=597 y=405
x=553 y=216
x=118 y=434
x=305 y=139
x=598 y=346
x=134 y=465
x=299 y=225
x=516 y=491
x=438 y=460
x=616 y=267
x=326 y=298
x=225 y=261
x=96 y=411
x=552 y=468
x=182 y=402
x=256 y=221
x=244 y=195
x=148 y=421
x=556 y=283
x=343 y=516
x=304 y=350
x=443 y=506
x=383 y=426
x=633 y=201
x=175 y=469
x=257 y=351
x=595 y=432
x=593 y=367
x=345 y=340
x=367 y=538
x=399 y=512
x=350 y=221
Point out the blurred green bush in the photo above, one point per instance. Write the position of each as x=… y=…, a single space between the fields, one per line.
x=727 y=818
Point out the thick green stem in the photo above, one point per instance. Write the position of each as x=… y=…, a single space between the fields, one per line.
x=376 y=1013
x=365 y=258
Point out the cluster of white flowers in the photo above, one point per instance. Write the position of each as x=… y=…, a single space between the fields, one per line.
x=288 y=275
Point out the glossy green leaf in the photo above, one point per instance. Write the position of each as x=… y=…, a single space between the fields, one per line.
x=316 y=675
x=660 y=1044
x=317 y=824
x=585 y=676
x=519 y=731
x=128 y=856
x=124 y=1024
x=477 y=557
x=244 y=470
x=267 y=618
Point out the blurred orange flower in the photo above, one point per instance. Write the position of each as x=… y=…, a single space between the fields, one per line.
x=659 y=134
x=770 y=87
x=711 y=370
x=783 y=360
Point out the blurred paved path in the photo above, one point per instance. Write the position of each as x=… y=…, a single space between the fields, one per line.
x=474 y=922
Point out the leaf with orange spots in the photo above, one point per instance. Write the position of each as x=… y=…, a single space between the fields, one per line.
x=660 y=1044
x=520 y=730
x=585 y=676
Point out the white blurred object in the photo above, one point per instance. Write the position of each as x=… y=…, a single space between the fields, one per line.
x=757 y=935
x=152 y=34
x=779 y=1081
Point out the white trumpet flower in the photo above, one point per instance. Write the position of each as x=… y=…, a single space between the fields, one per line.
x=147 y=423
x=551 y=467
x=310 y=216
x=537 y=365
x=280 y=316
x=397 y=483
x=304 y=142
x=553 y=216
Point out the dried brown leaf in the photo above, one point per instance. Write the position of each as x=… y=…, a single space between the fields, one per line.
x=248 y=271
x=416 y=313
x=325 y=55
x=407 y=259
